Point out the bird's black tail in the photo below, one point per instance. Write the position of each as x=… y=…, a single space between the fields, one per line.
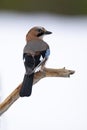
x=27 y=86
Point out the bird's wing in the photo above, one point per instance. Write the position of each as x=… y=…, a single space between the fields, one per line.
x=38 y=66
x=34 y=46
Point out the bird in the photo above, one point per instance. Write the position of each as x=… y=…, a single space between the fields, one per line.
x=35 y=53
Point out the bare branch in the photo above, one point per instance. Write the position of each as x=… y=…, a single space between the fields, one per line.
x=47 y=72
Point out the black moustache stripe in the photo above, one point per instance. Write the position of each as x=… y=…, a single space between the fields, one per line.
x=40 y=34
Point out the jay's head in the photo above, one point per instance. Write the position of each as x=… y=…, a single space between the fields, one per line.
x=37 y=32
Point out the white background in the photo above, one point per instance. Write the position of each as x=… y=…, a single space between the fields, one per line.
x=55 y=103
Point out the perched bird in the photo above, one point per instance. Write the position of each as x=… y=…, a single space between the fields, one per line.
x=35 y=53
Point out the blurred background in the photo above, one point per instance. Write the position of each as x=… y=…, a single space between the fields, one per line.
x=55 y=103
x=70 y=7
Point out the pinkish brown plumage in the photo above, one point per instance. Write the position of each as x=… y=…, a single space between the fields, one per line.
x=34 y=49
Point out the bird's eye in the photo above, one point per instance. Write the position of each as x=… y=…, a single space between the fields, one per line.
x=39 y=30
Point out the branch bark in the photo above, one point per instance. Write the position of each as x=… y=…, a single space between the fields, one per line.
x=47 y=72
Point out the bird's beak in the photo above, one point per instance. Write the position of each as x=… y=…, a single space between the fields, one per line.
x=47 y=32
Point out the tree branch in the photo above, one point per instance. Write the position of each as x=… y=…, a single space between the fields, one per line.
x=47 y=72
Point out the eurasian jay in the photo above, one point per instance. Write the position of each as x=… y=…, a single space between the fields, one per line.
x=35 y=54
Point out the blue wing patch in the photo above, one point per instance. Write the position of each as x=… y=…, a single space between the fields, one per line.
x=47 y=53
